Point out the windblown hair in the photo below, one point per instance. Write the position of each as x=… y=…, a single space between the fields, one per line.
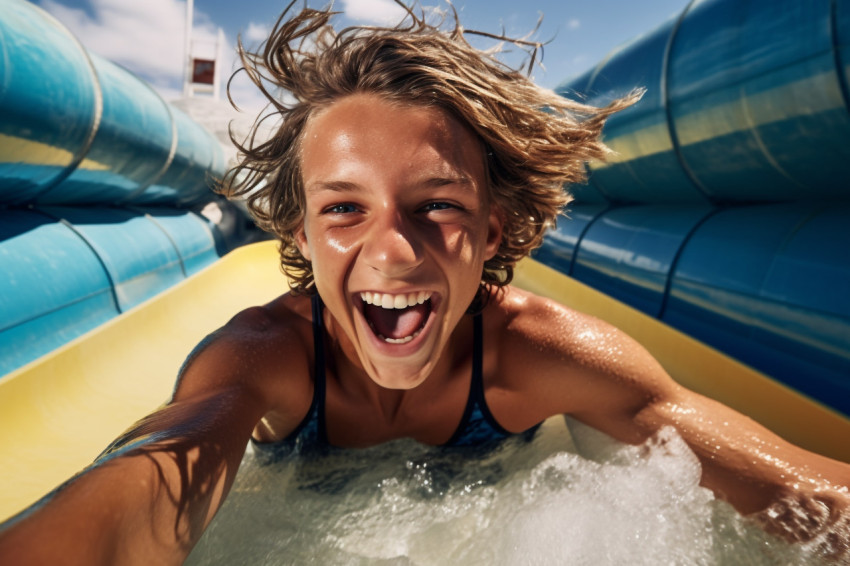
x=536 y=142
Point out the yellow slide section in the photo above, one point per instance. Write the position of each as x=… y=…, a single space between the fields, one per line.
x=703 y=369
x=59 y=412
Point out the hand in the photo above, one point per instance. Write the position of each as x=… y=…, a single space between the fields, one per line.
x=820 y=520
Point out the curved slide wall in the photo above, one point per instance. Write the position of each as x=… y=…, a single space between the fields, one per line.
x=99 y=181
x=75 y=262
x=726 y=210
x=59 y=412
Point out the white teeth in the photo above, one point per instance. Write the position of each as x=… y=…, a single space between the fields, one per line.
x=404 y=340
x=402 y=301
x=388 y=301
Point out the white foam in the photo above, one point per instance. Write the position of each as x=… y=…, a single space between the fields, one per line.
x=559 y=500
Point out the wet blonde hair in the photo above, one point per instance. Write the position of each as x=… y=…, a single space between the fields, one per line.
x=535 y=141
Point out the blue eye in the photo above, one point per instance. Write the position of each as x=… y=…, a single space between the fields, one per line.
x=431 y=206
x=344 y=208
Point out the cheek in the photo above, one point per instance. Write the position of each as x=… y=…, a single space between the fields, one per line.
x=332 y=252
x=338 y=245
x=458 y=244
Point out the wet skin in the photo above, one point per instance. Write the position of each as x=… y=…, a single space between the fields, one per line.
x=396 y=203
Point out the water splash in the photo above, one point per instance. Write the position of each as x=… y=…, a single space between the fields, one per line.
x=576 y=499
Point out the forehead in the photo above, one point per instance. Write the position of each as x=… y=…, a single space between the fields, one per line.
x=366 y=131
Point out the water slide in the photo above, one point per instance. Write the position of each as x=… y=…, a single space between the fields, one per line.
x=101 y=185
x=111 y=275
x=725 y=212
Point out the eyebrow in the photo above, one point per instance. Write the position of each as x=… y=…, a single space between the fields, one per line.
x=335 y=186
x=440 y=181
x=425 y=183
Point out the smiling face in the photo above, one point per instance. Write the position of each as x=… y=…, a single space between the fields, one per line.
x=397 y=226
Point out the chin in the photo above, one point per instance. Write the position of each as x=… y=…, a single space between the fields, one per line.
x=394 y=379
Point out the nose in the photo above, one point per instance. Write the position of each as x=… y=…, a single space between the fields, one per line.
x=392 y=247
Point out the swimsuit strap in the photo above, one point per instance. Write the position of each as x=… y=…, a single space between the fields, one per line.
x=477 y=387
x=476 y=413
x=318 y=404
x=476 y=392
x=477 y=426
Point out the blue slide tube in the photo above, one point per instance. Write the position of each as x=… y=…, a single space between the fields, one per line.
x=76 y=129
x=726 y=209
x=746 y=101
x=100 y=181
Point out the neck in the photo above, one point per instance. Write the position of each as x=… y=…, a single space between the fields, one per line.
x=358 y=387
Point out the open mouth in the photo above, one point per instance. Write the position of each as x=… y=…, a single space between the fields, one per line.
x=396 y=319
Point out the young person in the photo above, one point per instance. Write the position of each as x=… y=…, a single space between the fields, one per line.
x=404 y=181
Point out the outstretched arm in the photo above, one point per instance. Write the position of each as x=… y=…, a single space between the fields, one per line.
x=597 y=374
x=149 y=498
x=146 y=503
x=793 y=493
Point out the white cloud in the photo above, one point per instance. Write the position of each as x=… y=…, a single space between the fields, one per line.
x=255 y=33
x=381 y=12
x=146 y=37
x=573 y=23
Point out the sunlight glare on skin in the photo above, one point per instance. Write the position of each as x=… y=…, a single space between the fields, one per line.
x=337 y=245
x=400 y=208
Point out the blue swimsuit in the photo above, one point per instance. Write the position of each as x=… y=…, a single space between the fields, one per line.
x=477 y=426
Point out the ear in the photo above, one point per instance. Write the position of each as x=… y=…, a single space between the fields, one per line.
x=301 y=242
x=495 y=223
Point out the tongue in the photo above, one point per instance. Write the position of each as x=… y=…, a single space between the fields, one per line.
x=396 y=323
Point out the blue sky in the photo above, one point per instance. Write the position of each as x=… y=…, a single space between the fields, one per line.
x=147 y=36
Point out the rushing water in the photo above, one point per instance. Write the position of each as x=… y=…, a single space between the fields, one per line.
x=577 y=499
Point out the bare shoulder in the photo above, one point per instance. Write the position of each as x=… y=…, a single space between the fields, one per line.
x=260 y=350
x=550 y=328
x=570 y=362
